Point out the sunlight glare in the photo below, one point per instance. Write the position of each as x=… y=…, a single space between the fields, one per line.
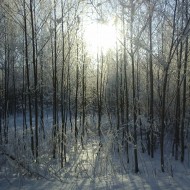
x=100 y=37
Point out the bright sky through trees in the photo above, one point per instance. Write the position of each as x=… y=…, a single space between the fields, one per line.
x=100 y=36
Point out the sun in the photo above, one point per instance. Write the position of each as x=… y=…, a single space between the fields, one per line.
x=100 y=37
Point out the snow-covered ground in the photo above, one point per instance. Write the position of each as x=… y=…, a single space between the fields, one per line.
x=106 y=173
x=180 y=181
x=92 y=167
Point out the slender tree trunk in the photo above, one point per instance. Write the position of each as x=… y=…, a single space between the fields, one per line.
x=24 y=99
x=126 y=92
x=151 y=82
x=76 y=96
x=32 y=12
x=14 y=94
x=127 y=109
x=54 y=59
x=6 y=87
x=117 y=89
x=28 y=79
x=122 y=96
x=42 y=95
x=138 y=99
x=185 y=4
x=63 y=93
x=98 y=99
x=178 y=110
x=83 y=99
x=133 y=88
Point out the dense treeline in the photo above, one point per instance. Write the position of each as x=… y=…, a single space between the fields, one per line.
x=141 y=85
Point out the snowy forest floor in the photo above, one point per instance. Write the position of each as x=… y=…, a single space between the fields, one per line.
x=147 y=181
x=176 y=177
x=92 y=167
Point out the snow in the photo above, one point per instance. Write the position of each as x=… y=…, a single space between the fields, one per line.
x=180 y=181
x=93 y=167
x=176 y=177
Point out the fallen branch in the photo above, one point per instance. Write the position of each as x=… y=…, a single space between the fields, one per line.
x=23 y=166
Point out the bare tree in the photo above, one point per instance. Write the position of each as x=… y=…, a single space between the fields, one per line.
x=28 y=76
x=133 y=84
x=32 y=13
x=185 y=6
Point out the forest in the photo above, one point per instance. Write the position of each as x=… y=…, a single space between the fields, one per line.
x=96 y=90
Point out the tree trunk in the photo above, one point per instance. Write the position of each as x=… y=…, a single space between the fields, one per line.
x=185 y=4
x=133 y=88
x=28 y=79
x=151 y=83
x=32 y=12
